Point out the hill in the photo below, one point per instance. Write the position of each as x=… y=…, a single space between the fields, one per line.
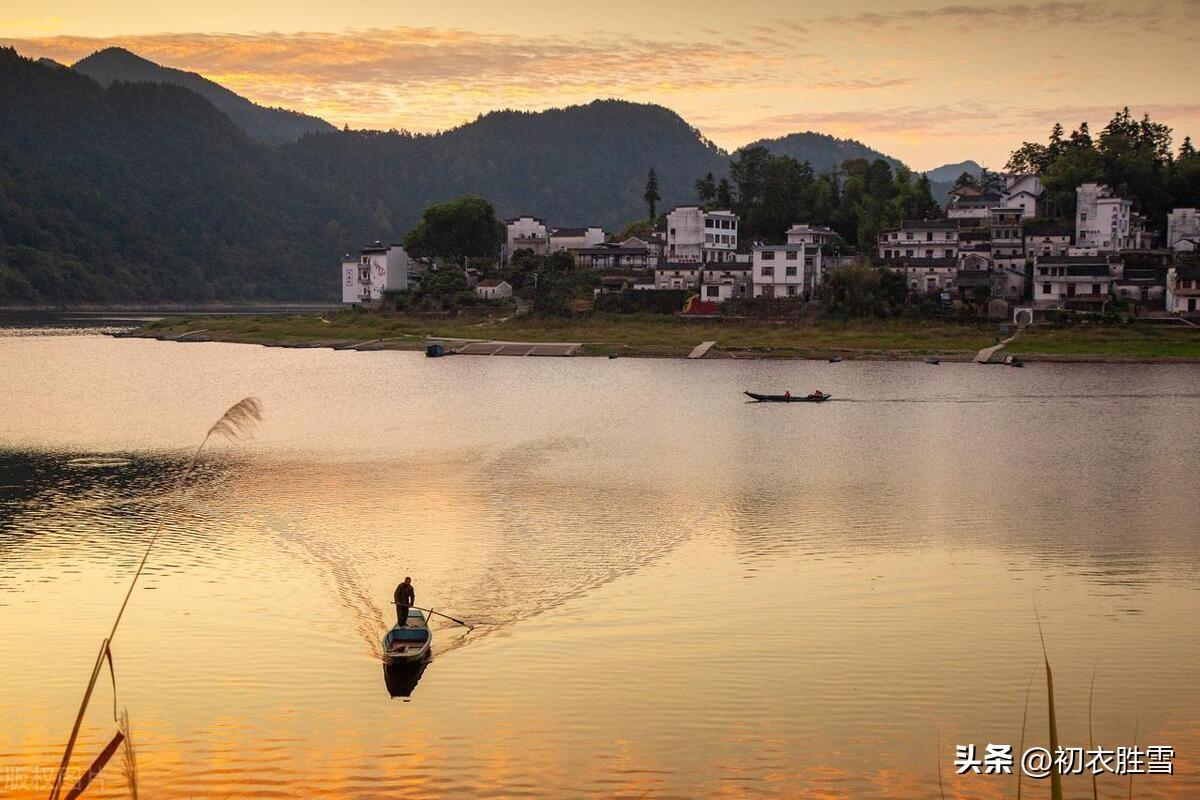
x=948 y=173
x=821 y=150
x=266 y=124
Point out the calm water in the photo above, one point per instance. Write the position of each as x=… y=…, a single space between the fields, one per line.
x=678 y=594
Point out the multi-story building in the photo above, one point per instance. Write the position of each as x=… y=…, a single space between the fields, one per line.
x=1023 y=192
x=1008 y=242
x=721 y=281
x=609 y=255
x=1182 y=223
x=971 y=202
x=936 y=238
x=785 y=270
x=811 y=234
x=696 y=234
x=525 y=233
x=1183 y=290
x=677 y=275
x=1102 y=220
x=1075 y=281
x=1047 y=239
x=653 y=243
x=575 y=238
x=379 y=268
x=927 y=275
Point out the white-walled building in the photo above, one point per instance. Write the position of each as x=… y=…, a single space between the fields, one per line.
x=811 y=234
x=1047 y=239
x=1182 y=223
x=1060 y=281
x=1101 y=218
x=1007 y=240
x=493 y=289
x=525 y=233
x=1183 y=290
x=1023 y=192
x=936 y=238
x=653 y=244
x=378 y=268
x=970 y=202
x=677 y=275
x=721 y=281
x=694 y=234
x=575 y=238
x=785 y=270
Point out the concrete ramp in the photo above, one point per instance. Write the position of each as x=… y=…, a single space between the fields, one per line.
x=519 y=349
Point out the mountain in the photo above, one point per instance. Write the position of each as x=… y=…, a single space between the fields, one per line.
x=948 y=173
x=265 y=124
x=821 y=150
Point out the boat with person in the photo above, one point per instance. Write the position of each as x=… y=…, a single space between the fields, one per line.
x=409 y=643
x=816 y=397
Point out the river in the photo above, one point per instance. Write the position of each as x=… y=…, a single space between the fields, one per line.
x=675 y=593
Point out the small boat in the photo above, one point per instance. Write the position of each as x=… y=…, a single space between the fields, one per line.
x=435 y=350
x=614 y=355
x=835 y=359
x=933 y=361
x=1013 y=361
x=787 y=398
x=410 y=643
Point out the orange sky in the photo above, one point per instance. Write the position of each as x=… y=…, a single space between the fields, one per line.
x=927 y=82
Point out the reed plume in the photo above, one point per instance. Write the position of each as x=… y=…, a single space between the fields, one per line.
x=235 y=424
x=129 y=757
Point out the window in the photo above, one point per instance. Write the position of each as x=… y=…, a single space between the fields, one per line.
x=708 y=237
x=1045 y=288
x=1095 y=288
x=672 y=231
x=808 y=262
x=790 y=272
x=768 y=272
x=725 y=224
x=908 y=235
x=929 y=236
x=792 y=254
x=712 y=291
x=768 y=255
x=791 y=290
x=929 y=254
x=908 y=253
x=709 y=223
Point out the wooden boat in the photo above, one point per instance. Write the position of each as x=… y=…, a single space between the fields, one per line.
x=1013 y=361
x=408 y=644
x=781 y=398
x=835 y=359
x=435 y=350
x=933 y=361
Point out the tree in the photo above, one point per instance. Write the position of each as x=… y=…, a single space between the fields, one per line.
x=706 y=190
x=457 y=230
x=651 y=196
x=966 y=179
x=724 y=194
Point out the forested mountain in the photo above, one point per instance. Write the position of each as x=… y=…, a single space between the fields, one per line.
x=948 y=173
x=266 y=124
x=820 y=150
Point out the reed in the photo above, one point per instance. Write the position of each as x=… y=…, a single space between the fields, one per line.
x=1091 y=738
x=234 y=424
x=129 y=757
x=1056 y=789
x=1024 y=720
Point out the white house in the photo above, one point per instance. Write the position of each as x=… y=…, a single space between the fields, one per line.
x=721 y=281
x=811 y=234
x=1007 y=240
x=493 y=289
x=1023 y=192
x=378 y=268
x=525 y=233
x=1046 y=239
x=1101 y=218
x=929 y=274
x=936 y=238
x=1060 y=281
x=785 y=270
x=575 y=238
x=970 y=202
x=677 y=275
x=653 y=244
x=1182 y=223
x=1183 y=290
x=694 y=234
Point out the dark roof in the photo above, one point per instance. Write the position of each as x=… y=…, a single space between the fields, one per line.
x=1048 y=229
x=680 y=265
x=1191 y=272
x=1068 y=260
x=973 y=277
x=918 y=263
x=728 y=266
x=928 y=224
x=610 y=249
x=975 y=235
x=525 y=216
x=491 y=283
x=570 y=231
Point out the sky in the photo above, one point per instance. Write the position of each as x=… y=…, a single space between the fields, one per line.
x=929 y=83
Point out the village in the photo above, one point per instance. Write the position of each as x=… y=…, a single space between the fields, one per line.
x=999 y=253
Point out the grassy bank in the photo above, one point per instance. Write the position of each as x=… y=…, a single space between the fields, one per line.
x=626 y=334
x=650 y=335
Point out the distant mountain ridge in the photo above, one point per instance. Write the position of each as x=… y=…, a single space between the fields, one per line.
x=266 y=124
x=822 y=151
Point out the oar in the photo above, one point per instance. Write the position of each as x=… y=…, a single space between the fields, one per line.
x=447 y=616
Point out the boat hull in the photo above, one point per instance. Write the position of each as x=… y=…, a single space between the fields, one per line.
x=779 y=398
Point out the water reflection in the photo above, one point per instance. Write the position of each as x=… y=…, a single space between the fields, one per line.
x=401 y=678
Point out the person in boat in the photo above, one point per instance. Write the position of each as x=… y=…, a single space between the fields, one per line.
x=818 y=393
x=405 y=597
x=787 y=393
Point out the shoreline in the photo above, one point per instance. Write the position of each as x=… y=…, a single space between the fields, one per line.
x=416 y=343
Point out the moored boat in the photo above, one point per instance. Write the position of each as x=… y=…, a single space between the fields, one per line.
x=815 y=397
x=410 y=643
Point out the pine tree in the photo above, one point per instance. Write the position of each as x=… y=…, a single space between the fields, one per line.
x=651 y=196
x=724 y=194
x=706 y=189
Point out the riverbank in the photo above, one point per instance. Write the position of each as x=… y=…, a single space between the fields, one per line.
x=653 y=336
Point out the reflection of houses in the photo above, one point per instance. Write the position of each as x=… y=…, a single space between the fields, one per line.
x=695 y=234
x=1085 y=282
x=676 y=275
x=719 y=282
x=1023 y=192
x=920 y=239
x=1047 y=239
x=1102 y=220
x=1183 y=290
x=608 y=255
x=575 y=238
x=493 y=289
x=525 y=233
x=785 y=270
x=378 y=269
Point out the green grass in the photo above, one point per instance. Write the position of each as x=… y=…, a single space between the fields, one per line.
x=633 y=334
x=1128 y=341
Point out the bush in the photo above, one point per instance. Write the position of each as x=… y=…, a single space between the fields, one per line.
x=643 y=301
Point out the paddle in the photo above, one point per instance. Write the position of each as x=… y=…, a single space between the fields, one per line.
x=468 y=626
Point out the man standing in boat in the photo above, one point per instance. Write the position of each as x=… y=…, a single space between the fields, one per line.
x=405 y=597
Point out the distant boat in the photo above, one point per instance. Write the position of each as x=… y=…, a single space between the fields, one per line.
x=787 y=398
x=933 y=361
x=1013 y=361
x=835 y=359
x=435 y=350
x=408 y=644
